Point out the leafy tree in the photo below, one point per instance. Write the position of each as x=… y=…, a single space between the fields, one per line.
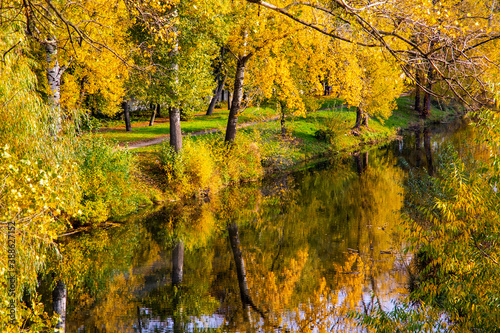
x=456 y=39
x=82 y=38
x=176 y=55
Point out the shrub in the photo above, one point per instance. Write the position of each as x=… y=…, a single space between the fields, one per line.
x=203 y=166
x=240 y=160
x=192 y=170
x=106 y=180
x=331 y=130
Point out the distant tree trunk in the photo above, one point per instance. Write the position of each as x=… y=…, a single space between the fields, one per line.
x=428 y=151
x=217 y=95
x=153 y=114
x=59 y=305
x=174 y=111
x=126 y=115
x=229 y=100
x=361 y=118
x=426 y=109
x=418 y=80
x=232 y=121
x=177 y=263
x=283 y=127
x=54 y=74
x=220 y=84
x=158 y=110
x=83 y=91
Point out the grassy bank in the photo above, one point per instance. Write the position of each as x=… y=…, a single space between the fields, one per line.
x=207 y=164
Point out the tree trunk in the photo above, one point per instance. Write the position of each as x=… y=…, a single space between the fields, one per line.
x=54 y=73
x=126 y=114
x=426 y=109
x=283 y=127
x=153 y=114
x=361 y=119
x=59 y=305
x=177 y=263
x=217 y=95
x=418 y=80
x=428 y=151
x=232 y=121
x=220 y=84
x=158 y=110
x=175 y=128
x=174 y=111
x=228 y=100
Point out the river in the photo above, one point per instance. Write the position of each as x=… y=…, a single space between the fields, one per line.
x=293 y=252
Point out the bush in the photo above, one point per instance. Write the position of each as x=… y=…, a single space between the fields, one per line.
x=106 y=180
x=241 y=159
x=331 y=130
x=203 y=167
x=192 y=170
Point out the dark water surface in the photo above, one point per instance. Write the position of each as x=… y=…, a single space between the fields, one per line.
x=294 y=252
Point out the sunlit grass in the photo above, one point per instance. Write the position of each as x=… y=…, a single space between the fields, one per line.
x=218 y=120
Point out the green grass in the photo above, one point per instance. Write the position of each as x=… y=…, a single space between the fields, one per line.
x=198 y=123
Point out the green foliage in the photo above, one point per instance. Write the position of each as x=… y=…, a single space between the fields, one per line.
x=106 y=180
x=452 y=227
x=84 y=122
x=331 y=130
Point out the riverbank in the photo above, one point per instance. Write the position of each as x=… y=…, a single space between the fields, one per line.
x=264 y=149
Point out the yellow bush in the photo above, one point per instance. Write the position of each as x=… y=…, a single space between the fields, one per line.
x=204 y=167
x=191 y=171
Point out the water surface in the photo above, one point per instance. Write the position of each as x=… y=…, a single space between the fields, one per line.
x=292 y=252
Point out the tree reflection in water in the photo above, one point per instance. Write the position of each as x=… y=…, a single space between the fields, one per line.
x=298 y=253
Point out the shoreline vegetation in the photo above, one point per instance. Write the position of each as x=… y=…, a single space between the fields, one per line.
x=205 y=164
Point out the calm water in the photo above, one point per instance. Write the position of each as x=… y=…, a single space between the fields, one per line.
x=289 y=253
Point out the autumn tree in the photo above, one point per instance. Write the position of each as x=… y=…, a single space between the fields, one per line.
x=253 y=32
x=175 y=55
x=83 y=39
x=220 y=79
x=457 y=45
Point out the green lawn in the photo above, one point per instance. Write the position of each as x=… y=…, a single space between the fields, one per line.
x=198 y=123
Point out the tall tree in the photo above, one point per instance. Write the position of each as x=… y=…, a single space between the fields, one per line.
x=220 y=78
x=253 y=33
x=175 y=45
x=84 y=39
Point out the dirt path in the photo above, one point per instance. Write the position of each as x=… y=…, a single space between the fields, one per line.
x=160 y=139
